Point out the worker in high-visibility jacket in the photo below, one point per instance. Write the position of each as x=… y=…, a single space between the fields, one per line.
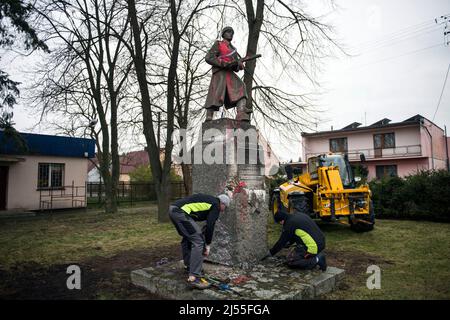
x=299 y=228
x=195 y=245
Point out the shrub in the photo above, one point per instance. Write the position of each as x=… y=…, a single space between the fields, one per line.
x=144 y=174
x=425 y=195
x=360 y=171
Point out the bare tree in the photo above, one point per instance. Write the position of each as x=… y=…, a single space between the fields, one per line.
x=84 y=80
x=191 y=88
x=297 y=42
x=254 y=21
x=179 y=16
x=165 y=44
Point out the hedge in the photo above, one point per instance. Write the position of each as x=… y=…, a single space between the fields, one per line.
x=425 y=195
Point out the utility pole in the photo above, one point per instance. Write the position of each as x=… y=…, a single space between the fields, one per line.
x=446 y=148
x=445 y=21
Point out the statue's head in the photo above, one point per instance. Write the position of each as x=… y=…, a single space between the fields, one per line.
x=227 y=33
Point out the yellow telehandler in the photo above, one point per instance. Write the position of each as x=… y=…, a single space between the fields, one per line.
x=327 y=191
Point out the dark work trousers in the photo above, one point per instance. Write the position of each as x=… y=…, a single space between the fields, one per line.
x=299 y=258
x=192 y=243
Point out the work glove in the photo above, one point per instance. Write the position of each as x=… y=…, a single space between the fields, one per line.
x=206 y=250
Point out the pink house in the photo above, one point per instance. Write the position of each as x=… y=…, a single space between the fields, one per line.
x=399 y=148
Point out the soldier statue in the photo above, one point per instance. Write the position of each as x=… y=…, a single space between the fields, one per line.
x=226 y=88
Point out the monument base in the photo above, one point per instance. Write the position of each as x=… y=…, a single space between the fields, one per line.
x=240 y=234
x=269 y=280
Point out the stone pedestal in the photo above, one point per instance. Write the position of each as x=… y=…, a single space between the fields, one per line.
x=228 y=158
x=240 y=236
x=266 y=280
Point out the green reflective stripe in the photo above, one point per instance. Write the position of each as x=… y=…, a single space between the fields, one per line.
x=307 y=240
x=196 y=206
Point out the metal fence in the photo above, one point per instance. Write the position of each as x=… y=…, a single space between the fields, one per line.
x=395 y=152
x=69 y=196
x=132 y=191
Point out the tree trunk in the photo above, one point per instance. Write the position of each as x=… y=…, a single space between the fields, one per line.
x=111 y=197
x=104 y=171
x=187 y=178
x=115 y=163
x=254 y=30
x=164 y=196
x=163 y=204
x=161 y=174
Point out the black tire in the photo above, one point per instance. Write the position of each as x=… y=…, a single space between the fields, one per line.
x=362 y=226
x=299 y=204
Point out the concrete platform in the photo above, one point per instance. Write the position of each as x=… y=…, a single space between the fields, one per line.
x=270 y=280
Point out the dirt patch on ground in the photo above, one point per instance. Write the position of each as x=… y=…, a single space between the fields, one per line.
x=101 y=277
x=354 y=263
x=109 y=277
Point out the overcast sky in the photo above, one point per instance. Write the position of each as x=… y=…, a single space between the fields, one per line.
x=397 y=68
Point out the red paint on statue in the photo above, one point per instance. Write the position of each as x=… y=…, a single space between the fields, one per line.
x=239 y=188
x=224 y=51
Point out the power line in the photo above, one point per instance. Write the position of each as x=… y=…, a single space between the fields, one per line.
x=401 y=55
x=392 y=42
x=398 y=37
x=442 y=92
x=397 y=34
x=408 y=32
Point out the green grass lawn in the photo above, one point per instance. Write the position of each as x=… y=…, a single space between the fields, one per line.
x=414 y=256
x=68 y=237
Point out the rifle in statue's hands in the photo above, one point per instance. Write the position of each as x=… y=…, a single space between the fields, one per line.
x=248 y=58
x=235 y=65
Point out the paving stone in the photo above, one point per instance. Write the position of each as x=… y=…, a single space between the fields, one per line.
x=323 y=283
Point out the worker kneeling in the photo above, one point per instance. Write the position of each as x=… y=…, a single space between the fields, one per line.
x=194 y=244
x=299 y=228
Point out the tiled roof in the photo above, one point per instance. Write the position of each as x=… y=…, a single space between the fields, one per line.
x=129 y=161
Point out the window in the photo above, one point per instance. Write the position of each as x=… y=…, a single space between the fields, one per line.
x=313 y=164
x=386 y=171
x=51 y=175
x=327 y=161
x=384 y=140
x=338 y=145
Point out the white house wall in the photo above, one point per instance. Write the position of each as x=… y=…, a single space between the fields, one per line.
x=22 y=190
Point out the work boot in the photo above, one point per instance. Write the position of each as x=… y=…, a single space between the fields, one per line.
x=199 y=283
x=209 y=114
x=322 y=262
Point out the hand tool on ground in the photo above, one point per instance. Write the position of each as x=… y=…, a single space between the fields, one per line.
x=221 y=285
